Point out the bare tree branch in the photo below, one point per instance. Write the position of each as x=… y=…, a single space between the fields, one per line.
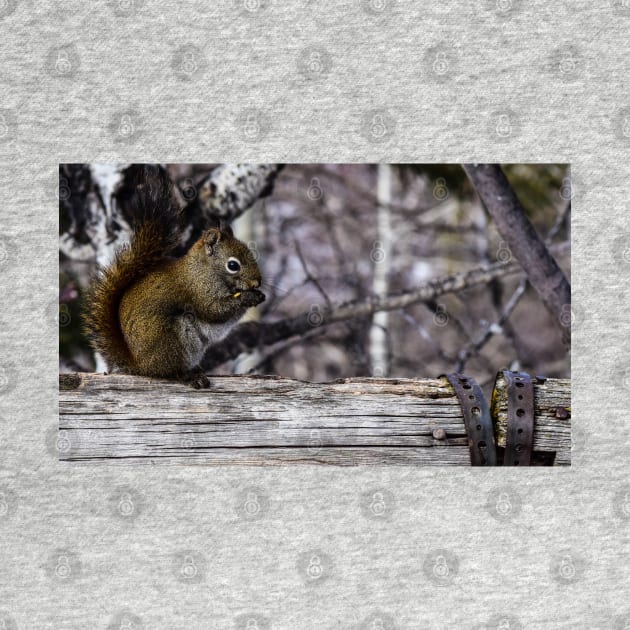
x=251 y=335
x=226 y=193
x=502 y=325
x=542 y=271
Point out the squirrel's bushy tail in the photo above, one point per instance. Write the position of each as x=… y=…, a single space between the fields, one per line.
x=145 y=198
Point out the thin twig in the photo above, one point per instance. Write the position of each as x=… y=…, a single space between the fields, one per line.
x=492 y=329
x=309 y=276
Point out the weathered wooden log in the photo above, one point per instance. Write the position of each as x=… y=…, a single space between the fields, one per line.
x=260 y=420
x=552 y=427
x=272 y=420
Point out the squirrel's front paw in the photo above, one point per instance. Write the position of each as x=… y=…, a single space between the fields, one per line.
x=252 y=297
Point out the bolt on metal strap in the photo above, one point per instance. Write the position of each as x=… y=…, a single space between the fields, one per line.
x=520 y=419
x=477 y=419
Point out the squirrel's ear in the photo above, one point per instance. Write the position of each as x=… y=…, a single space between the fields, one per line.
x=210 y=239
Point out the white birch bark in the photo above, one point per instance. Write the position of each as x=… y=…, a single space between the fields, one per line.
x=381 y=256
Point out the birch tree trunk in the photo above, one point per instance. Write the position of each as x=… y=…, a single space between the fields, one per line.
x=381 y=256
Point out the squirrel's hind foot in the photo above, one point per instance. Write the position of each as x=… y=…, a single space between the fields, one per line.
x=198 y=380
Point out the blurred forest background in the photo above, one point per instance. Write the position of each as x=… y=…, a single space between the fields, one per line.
x=333 y=233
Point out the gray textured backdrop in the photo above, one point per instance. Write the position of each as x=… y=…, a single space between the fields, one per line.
x=260 y=80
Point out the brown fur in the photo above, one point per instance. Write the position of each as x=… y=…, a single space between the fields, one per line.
x=151 y=315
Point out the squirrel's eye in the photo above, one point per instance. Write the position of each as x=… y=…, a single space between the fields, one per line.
x=233 y=265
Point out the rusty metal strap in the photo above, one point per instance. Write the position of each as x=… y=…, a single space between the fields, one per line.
x=520 y=419
x=477 y=419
